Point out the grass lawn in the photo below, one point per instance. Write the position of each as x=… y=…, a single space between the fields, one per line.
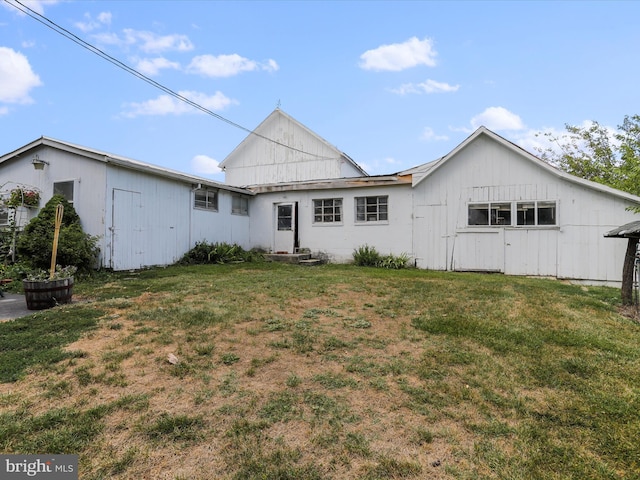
x=332 y=372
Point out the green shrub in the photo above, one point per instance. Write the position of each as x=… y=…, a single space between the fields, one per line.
x=204 y=253
x=366 y=256
x=75 y=247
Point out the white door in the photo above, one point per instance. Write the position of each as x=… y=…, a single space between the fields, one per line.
x=481 y=250
x=126 y=230
x=284 y=232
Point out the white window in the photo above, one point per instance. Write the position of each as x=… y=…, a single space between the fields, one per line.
x=372 y=209
x=490 y=214
x=327 y=210
x=536 y=213
x=206 y=199
x=531 y=213
x=239 y=205
x=65 y=189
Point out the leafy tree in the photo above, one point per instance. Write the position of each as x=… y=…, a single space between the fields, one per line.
x=609 y=157
x=75 y=247
x=598 y=153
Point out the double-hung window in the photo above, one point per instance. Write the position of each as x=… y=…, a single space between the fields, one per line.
x=327 y=210
x=372 y=209
x=239 y=205
x=206 y=199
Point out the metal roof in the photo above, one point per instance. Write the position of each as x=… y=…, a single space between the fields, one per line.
x=628 y=230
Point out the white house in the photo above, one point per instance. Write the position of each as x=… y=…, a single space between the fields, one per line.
x=143 y=214
x=488 y=205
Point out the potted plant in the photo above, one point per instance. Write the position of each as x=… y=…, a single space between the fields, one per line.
x=43 y=290
x=22 y=196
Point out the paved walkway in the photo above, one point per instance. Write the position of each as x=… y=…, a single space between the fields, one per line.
x=13 y=306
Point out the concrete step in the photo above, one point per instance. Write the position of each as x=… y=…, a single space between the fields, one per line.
x=310 y=262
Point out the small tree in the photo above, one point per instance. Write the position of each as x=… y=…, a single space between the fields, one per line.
x=75 y=247
x=605 y=156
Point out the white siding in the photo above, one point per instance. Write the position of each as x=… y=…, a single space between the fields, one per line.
x=295 y=154
x=487 y=171
x=339 y=240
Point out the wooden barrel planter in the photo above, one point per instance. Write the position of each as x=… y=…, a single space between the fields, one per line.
x=41 y=294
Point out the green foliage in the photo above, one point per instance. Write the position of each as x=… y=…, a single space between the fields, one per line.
x=366 y=256
x=75 y=247
x=220 y=253
x=597 y=153
x=40 y=339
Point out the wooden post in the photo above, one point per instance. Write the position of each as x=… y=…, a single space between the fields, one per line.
x=56 y=234
x=627 y=272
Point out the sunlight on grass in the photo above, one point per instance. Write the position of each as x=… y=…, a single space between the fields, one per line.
x=331 y=372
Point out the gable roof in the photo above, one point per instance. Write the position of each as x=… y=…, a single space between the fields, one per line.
x=273 y=117
x=117 y=160
x=424 y=171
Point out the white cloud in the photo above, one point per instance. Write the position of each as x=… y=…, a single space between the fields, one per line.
x=497 y=118
x=430 y=86
x=16 y=77
x=4 y=111
x=35 y=5
x=153 y=43
x=430 y=136
x=152 y=66
x=148 y=42
x=104 y=18
x=168 y=105
x=400 y=56
x=227 y=65
x=205 y=165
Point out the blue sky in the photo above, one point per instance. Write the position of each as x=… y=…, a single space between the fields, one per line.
x=392 y=84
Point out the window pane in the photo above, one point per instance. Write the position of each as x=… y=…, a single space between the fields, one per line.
x=500 y=214
x=371 y=209
x=65 y=189
x=526 y=214
x=327 y=210
x=207 y=199
x=479 y=214
x=284 y=217
x=546 y=213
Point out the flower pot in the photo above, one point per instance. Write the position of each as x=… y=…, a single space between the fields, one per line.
x=41 y=294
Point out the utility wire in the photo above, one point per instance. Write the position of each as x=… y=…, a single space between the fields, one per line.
x=93 y=49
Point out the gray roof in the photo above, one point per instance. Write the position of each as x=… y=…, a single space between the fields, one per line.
x=628 y=230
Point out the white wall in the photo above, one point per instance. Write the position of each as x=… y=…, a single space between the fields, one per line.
x=88 y=178
x=488 y=171
x=167 y=225
x=338 y=241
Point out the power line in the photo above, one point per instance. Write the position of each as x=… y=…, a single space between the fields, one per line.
x=93 y=49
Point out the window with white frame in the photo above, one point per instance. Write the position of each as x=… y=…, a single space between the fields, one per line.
x=536 y=213
x=327 y=210
x=65 y=189
x=372 y=209
x=239 y=205
x=530 y=213
x=206 y=198
x=490 y=214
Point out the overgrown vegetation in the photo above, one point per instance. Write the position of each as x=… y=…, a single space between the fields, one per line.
x=333 y=372
x=221 y=252
x=367 y=256
x=75 y=247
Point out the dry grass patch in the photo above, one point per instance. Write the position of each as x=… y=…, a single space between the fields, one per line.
x=336 y=372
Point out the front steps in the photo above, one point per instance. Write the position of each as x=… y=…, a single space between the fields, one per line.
x=293 y=258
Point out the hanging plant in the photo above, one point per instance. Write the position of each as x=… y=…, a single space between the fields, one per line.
x=22 y=196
